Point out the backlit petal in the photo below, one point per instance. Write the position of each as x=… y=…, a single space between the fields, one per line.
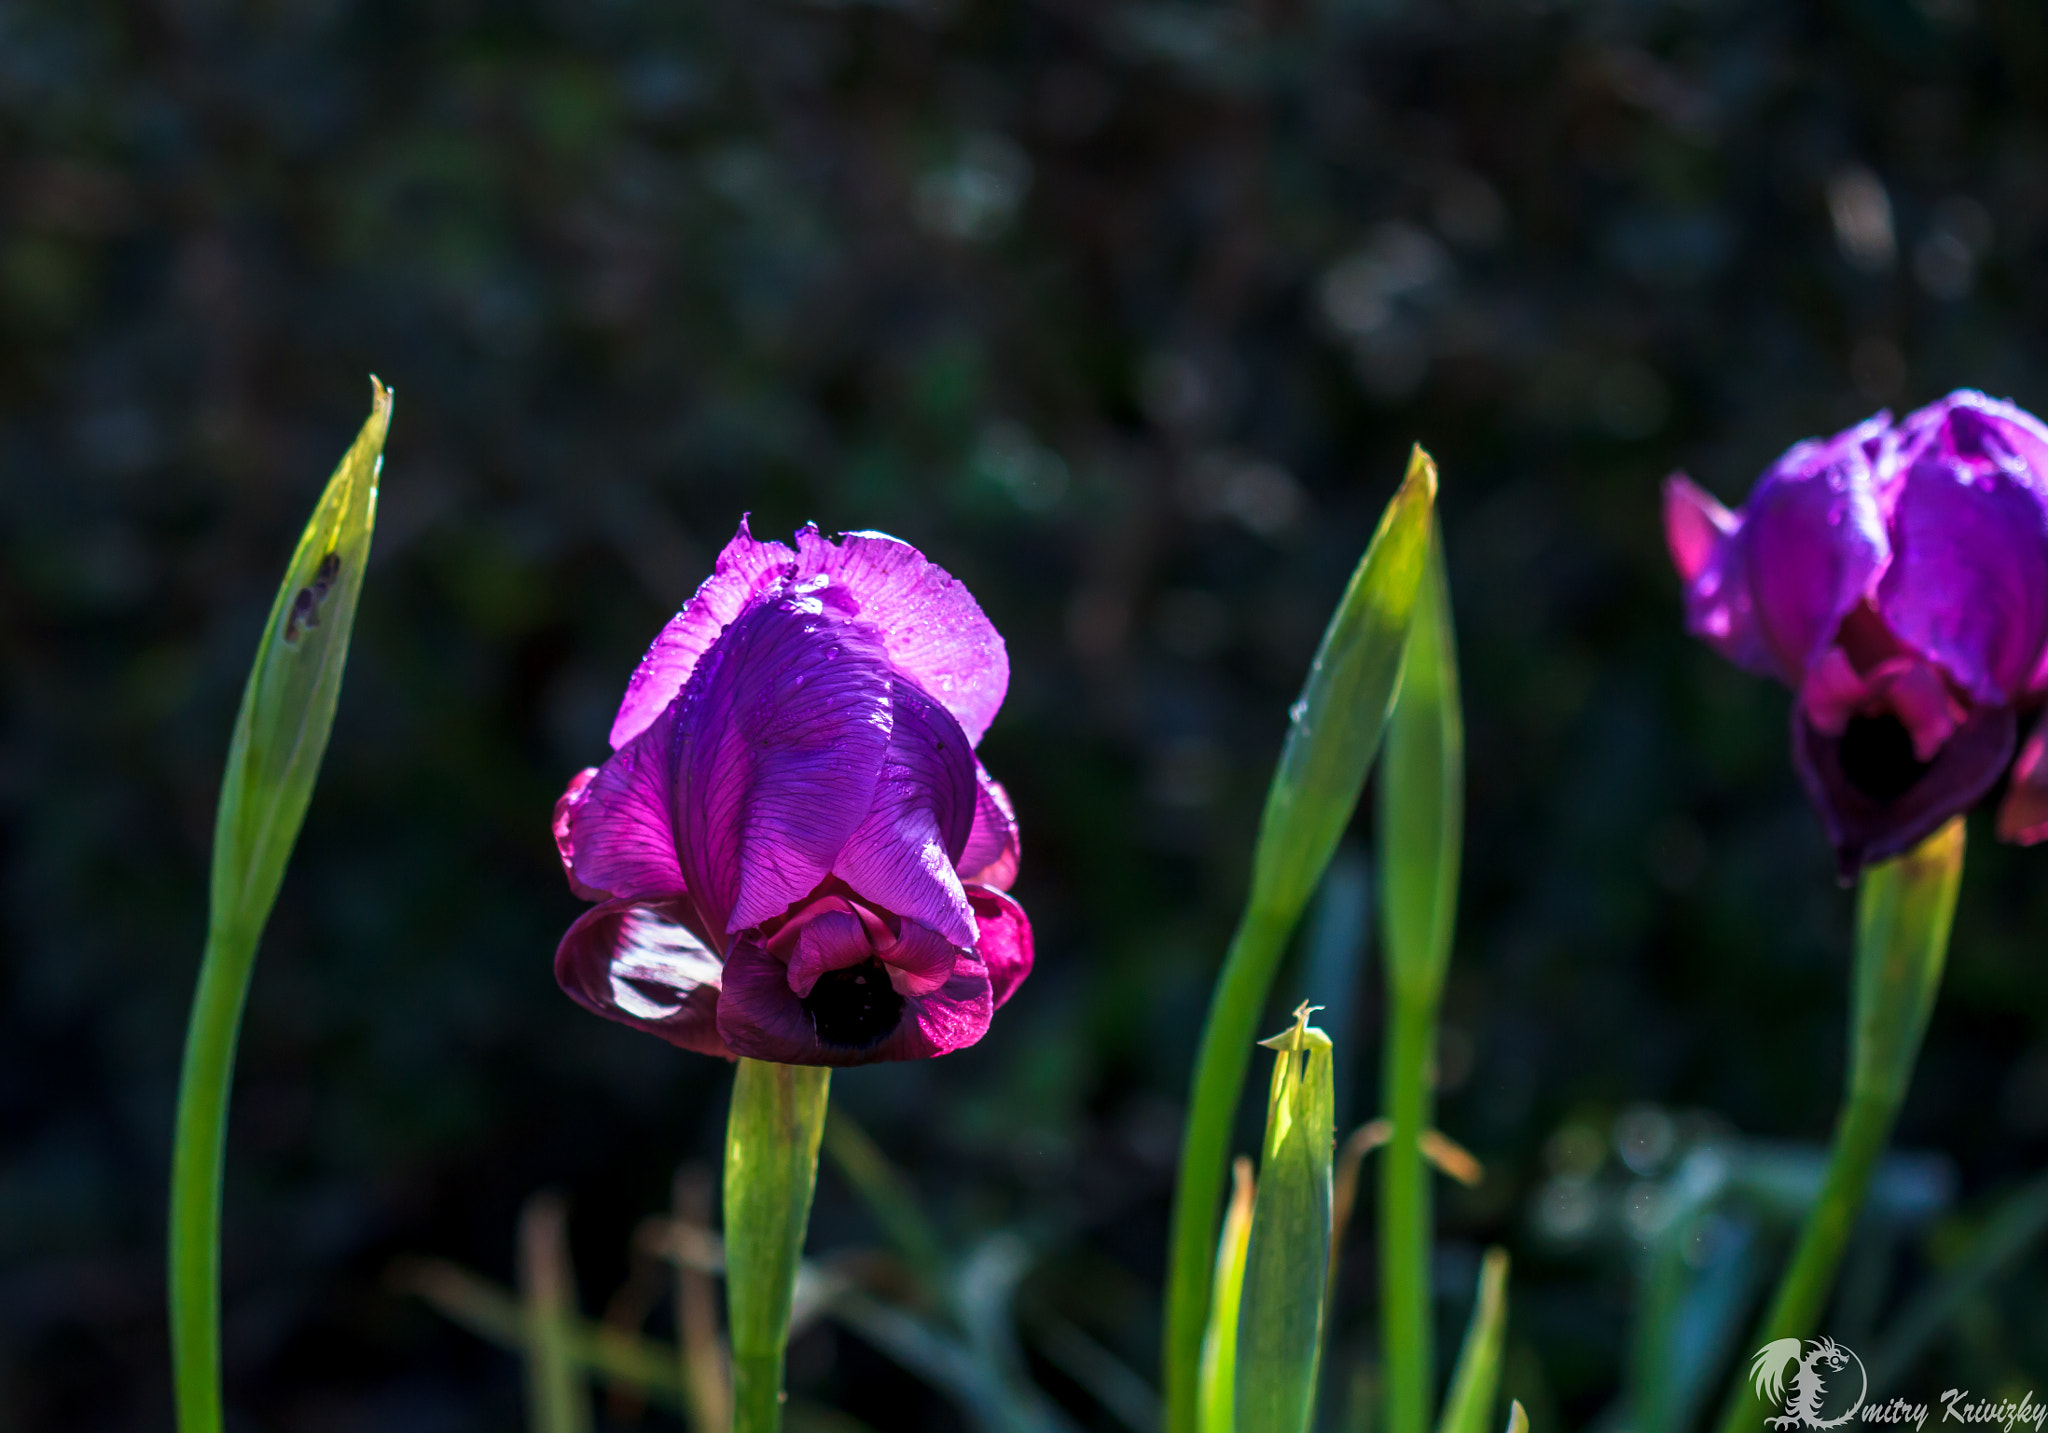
x=992 y=852
x=621 y=832
x=933 y=628
x=638 y=964
x=902 y=855
x=564 y=825
x=1004 y=940
x=745 y=570
x=782 y=737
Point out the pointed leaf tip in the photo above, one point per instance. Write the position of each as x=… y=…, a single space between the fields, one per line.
x=1518 y=1418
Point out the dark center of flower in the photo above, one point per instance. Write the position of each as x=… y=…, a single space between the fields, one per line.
x=855 y=1007
x=1878 y=759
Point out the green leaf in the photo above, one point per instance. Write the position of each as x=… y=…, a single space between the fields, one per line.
x=1468 y=1407
x=1219 y=1341
x=1422 y=792
x=1280 y=1320
x=771 y=1169
x=287 y=708
x=1330 y=744
x=1421 y=838
x=280 y=735
x=1335 y=726
x=1518 y=1418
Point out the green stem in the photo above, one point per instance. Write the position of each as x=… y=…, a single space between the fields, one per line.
x=771 y=1169
x=1221 y=1064
x=196 y=1164
x=1405 y=1212
x=1904 y=910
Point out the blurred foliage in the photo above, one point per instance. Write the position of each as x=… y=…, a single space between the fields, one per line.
x=1126 y=313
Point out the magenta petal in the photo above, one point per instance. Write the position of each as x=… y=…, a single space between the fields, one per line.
x=992 y=852
x=2023 y=814
x=919 y=961
x=901 y=856
x=1004 y=943
x=933 y=628
x=1695 y=526
x=831 y=941
x=745 y=569
x=638 y=964
x=760 y=1017
x=564 y=824
x=1968 y=584
x=783 y=734
x=621 y=833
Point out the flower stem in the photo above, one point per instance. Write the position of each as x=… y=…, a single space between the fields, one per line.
x=1405 y=1208
x=771 y=1169
x=196 y=1161
x=1904 y=910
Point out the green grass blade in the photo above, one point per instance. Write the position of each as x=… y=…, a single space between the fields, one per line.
x=1280 y=1317
x=557 y=1400
x=1421 y=835
x=280 y=736
x=1219 y=1342
x=1518 y=1418
x=1475 y=1385
x=1997 y=1250
x=771 y=1171
x=888 y=1196
x=1335 y=731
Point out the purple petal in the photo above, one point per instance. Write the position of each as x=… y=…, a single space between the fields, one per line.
x=992 y=851
x=1876 y=809
x=760 y=1017
x=638 y=964
x=744 y=571
x=833 y=940
x=933 y=628
x=1968 y=584
x=1004 y=943
x=1812 y=541
x=901 y=856
x=783 y=734
x=620 y=835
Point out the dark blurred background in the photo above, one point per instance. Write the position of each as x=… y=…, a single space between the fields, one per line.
x=1125 y=313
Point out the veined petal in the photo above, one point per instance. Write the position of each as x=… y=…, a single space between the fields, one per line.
x=782 y=737
x=621 y=836
x=934 y=630
x=1968 y=584
x=992 y=851
x=637 y=963
x=1004 y=940
x=902 y=855
x=745 y=570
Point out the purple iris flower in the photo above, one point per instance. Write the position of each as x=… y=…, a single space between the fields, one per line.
x=1895 y=576
x=798 y=856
